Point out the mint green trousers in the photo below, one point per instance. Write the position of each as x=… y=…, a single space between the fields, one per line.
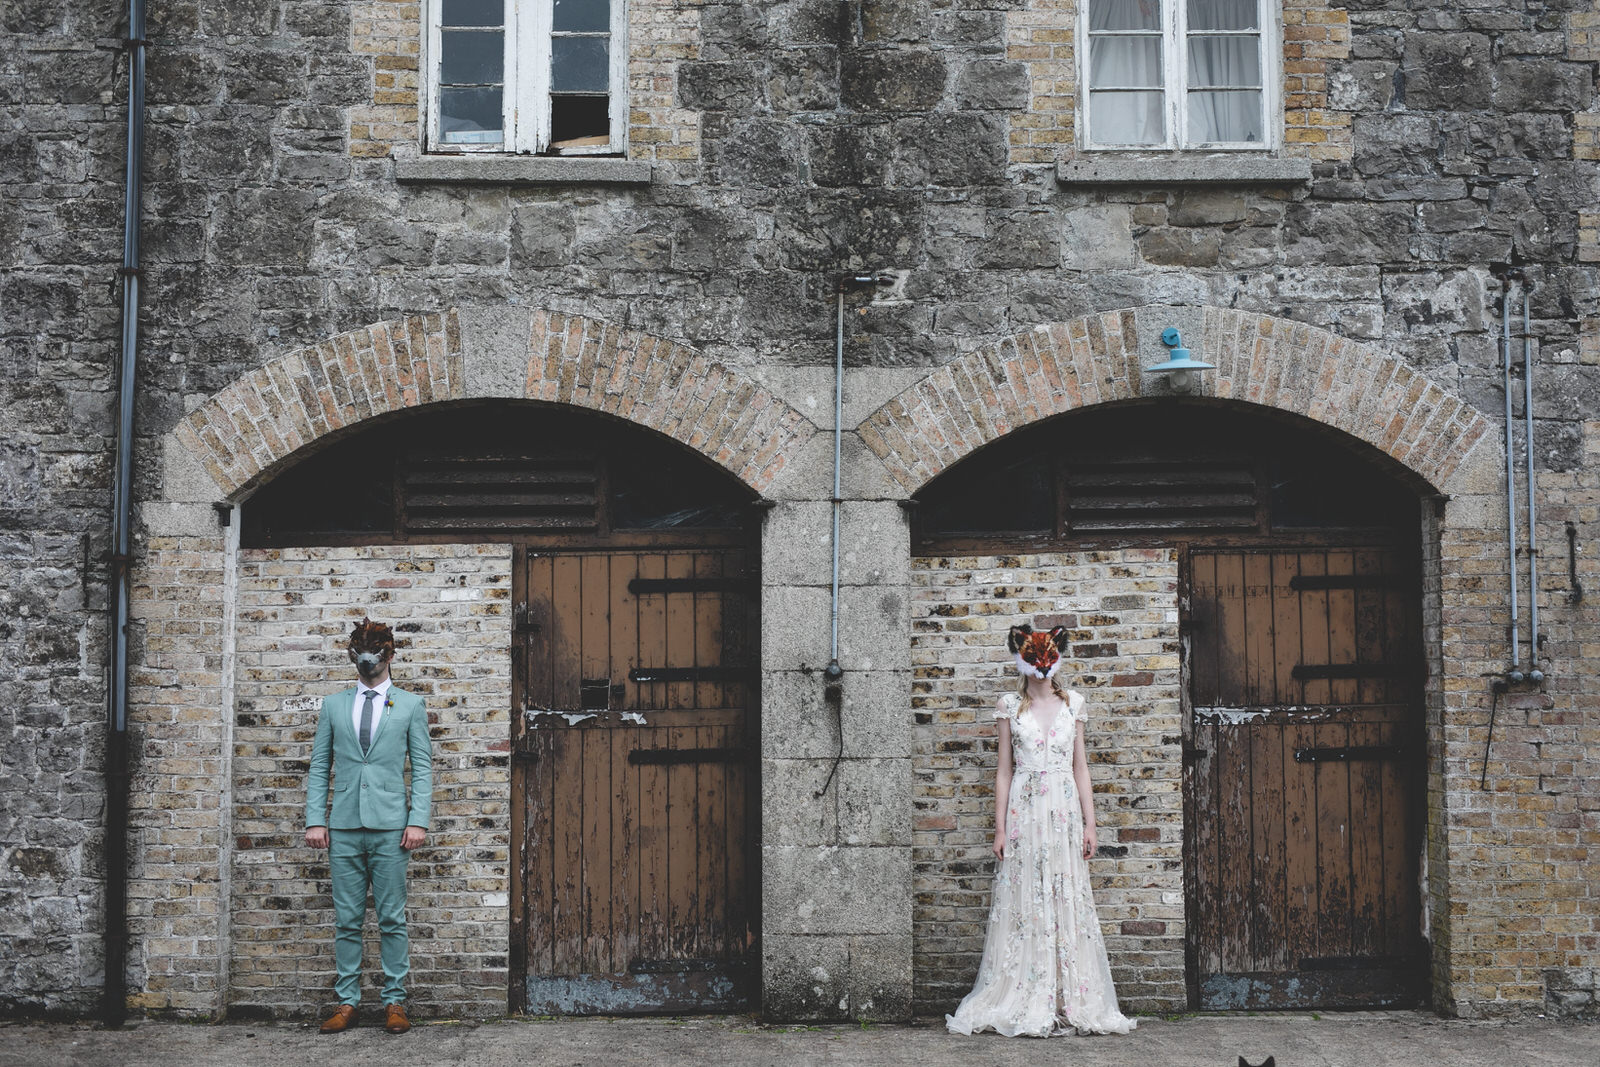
x=359 y=860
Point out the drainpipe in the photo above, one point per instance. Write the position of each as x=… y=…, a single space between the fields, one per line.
x=833 y=691
x=1514 y=675
x=1534 y=673
x=114 y=1002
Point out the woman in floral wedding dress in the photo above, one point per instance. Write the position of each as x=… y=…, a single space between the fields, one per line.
x=1044 y=970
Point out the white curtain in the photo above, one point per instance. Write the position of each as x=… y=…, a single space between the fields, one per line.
x=1224 y=72
x=1126 y=79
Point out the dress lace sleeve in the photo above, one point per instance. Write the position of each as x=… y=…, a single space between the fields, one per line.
x=1006 y=708
x=1079 y=705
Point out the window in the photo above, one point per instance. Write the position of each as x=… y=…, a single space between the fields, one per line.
x=1179 y=74
x=526 y=76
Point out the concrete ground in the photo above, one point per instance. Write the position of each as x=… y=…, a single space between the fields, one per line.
x=1330 y=1040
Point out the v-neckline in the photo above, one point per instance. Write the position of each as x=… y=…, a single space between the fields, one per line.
x=1047 y=729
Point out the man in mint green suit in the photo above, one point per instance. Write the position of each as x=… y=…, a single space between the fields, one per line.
x=365 y=735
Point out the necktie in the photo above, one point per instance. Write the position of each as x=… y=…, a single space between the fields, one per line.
x=366 y=720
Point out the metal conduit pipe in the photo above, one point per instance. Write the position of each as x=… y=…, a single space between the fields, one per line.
x=115 y=991
x=1515 y=673
x=1534 y=673
x=834 y=675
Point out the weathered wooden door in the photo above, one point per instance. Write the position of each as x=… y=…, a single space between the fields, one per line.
x=1303 y=778
x=634 y=874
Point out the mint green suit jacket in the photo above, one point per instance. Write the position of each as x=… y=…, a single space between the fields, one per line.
x=369 y=789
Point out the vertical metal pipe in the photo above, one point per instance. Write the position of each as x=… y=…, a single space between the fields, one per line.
x=838 y=430
x=1533 y=535
x=115 y=993
x=1511 y=482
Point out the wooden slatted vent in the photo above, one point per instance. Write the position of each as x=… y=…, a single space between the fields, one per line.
x=1134 y=492
x=449 y=492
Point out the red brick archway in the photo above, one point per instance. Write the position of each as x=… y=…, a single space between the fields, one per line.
x=1097 y=359
x=254 y=425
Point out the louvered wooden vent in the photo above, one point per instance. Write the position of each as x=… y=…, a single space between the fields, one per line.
x=500 y=492
x=1107 y=495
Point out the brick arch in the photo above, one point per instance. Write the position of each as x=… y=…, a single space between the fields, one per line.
x=1098 y=359
x=258 y=422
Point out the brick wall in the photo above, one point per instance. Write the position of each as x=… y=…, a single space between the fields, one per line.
x=1522 y=925
x=177 y=736
x=450 y=607
x=1120 y=608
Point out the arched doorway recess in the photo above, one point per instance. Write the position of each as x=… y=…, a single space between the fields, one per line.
x=1243 y=593
x=634 y=801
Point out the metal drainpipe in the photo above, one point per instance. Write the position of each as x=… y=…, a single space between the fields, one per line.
x=1515 y=673
x=1534 y=673
x=834 y=675
x=114 y=1001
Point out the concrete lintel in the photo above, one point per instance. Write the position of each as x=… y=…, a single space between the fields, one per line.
x=1176 y=168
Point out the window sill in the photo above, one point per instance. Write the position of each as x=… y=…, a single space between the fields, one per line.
x=412 y=168
x=1230 y=169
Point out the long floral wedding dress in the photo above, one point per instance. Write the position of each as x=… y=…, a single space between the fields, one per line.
x=1044 y=970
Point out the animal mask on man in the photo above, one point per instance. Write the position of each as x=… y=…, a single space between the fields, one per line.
x=1038 y=654
x=371 y=646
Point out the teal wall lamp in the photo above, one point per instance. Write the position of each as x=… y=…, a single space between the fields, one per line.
x=1183 y=373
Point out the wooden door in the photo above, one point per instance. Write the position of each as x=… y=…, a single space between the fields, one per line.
x=634 y=877
x=1304 y=778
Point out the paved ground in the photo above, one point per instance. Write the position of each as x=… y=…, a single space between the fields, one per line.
x=1364 y=1040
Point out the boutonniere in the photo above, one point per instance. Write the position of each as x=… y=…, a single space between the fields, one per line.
x=388 y=703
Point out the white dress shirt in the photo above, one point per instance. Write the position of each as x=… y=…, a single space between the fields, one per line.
x=362 y=689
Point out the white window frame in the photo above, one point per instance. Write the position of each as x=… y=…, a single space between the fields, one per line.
x=1175 y=84
x=526 y=98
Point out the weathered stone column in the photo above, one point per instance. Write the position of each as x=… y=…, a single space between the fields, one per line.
x=836 y=774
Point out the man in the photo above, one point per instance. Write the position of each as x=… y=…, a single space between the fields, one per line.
x=365 y=734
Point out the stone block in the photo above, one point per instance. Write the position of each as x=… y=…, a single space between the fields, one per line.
x=804 y=977
x=873 y=626
x=835 y=890
x=1447 y=71
x=799 y=721
x=1168 y=247
x=1098 y=237
x=1542 y=85
x=873 y=801
x=1020 y=240
x=797 y=537
x=792 y=812
x=733 y=86
x=874 y=543
x=881 y=972
x=804 y=79
x=494 y=350
x=897 y=80
x=992 y=84
x=796 y=623
x=1204 y=207
x=949 y=149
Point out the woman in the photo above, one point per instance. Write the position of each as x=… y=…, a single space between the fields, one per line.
x=1044 y=969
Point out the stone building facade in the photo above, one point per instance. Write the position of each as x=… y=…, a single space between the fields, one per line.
x=314 y=269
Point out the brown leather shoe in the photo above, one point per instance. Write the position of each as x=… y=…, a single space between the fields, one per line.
x=394 y=1018
x=342 y=1019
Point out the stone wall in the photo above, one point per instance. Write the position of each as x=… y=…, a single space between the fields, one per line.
x=808 y=138
x=450 y=607
x=1120 y=609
